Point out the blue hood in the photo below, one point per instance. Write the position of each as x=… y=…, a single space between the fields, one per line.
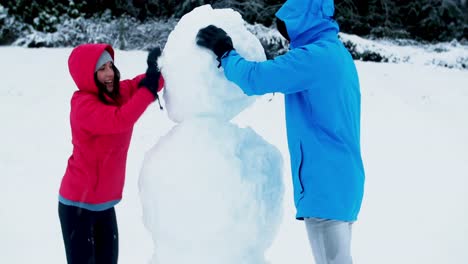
x=305 y=19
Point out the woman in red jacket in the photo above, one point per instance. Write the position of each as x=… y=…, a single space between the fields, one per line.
x=103 y=113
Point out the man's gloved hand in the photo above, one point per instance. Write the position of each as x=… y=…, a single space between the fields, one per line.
x=215 y=39
x=153 y=80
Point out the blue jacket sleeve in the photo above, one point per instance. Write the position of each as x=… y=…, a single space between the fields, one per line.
x=297 y=70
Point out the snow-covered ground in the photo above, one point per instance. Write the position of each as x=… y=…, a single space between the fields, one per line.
x=453 y=55
x=414 y=143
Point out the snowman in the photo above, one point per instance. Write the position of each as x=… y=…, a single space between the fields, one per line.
x=211 y=191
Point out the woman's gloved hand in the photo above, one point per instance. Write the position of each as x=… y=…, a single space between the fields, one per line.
x=153 y=80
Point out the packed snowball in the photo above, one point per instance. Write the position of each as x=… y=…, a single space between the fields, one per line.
x=195 y=86
x=222 y=203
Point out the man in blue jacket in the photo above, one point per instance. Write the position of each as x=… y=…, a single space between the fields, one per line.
x=322 y=99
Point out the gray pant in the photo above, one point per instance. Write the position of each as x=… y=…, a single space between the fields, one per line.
x=330 y=240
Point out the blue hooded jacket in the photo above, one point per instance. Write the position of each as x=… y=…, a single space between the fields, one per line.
x=323 y=107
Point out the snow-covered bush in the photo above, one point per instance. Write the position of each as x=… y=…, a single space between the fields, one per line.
x=10 y=28
x=272 y=41
x=129 y=33
x=445 y=54
x=126 y=33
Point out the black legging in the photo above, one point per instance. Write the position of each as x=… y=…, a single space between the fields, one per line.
x=90 y=237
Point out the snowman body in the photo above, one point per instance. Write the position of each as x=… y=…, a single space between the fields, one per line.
x=211 y=190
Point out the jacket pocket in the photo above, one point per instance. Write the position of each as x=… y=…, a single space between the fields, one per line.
x=299 y=169
x=297 y=161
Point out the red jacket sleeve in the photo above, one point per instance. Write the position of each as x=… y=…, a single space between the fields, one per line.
x=92 y=115
x=130 y=86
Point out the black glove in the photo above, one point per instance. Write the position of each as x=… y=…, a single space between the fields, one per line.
x=151 y=80
x=215 y=39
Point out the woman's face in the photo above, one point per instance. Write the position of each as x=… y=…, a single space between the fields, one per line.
x=105 y=75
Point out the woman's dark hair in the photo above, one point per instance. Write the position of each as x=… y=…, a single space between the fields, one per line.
x=102 y=90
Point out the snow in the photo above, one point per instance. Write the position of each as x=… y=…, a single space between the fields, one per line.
x=450 y=55
x=191 y=72
x=224 y=197
x=414 y=144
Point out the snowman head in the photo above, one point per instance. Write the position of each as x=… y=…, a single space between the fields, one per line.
x=195 y=86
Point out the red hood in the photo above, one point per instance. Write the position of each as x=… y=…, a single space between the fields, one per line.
x=82 y=62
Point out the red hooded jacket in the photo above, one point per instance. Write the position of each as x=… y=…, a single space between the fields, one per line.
x=101 y=132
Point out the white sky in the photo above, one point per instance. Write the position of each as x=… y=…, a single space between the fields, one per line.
x=414 y=145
